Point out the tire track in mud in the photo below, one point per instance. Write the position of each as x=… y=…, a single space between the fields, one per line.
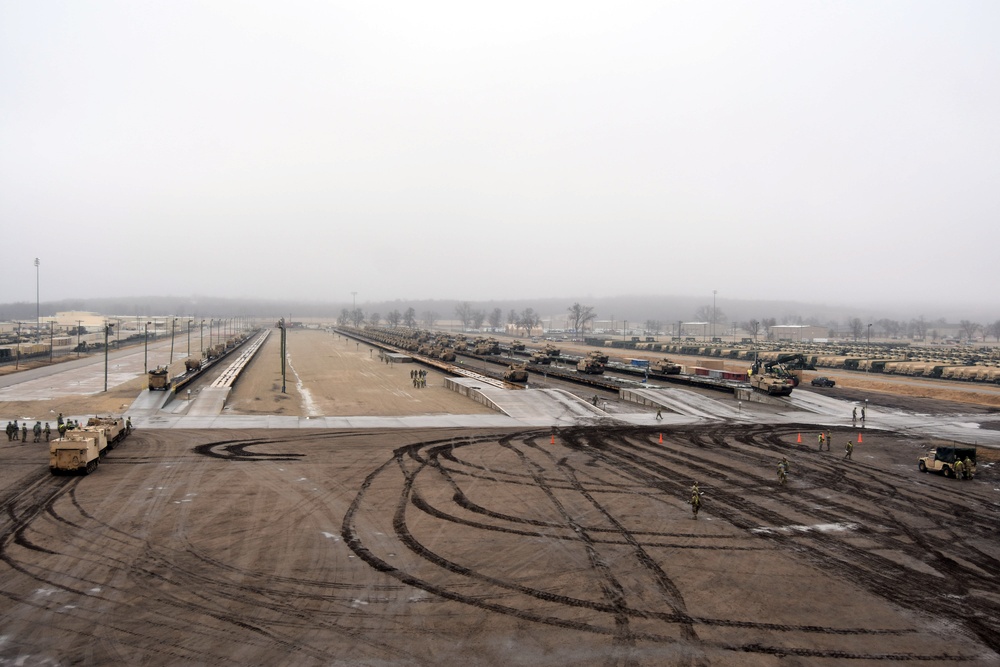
x=181 y=579
x=627 y=455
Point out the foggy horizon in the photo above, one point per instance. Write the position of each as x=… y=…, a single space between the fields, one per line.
x=841 y=154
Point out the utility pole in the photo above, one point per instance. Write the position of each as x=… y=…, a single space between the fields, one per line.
x=38 y=319
x=107 y=331
x=172 y=323
x=281 y=325
x=79 y=325
x=145 y=348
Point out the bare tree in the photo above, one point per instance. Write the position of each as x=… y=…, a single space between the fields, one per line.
x=357 y=317
x=429 y=318
x=344 y=317
x=496 y=318
x=710 y=315
x=652 y=326
x=752 y=327
x=463 y=312
x=580 y=316
x=478 y=316
x=969 y=329
x=993 y=330
x=856 y=327
x=919 y=328
x=393 y=319
x=374 y=319
x=512 y=317
x=528 y=320
x=410 y=318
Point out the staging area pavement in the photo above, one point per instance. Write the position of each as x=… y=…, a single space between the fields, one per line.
x=548 y=532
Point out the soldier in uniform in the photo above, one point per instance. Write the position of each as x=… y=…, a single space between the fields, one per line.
x=821 y=439
x=782 y=470
x=62 y=429
x=959 y=469
x=24 y=432
x=695 y=500
x=969 y=468
x=47 y=431
x=10 y=433
x=36 y=431
x=854 y=416
x=128 y=426
x=848 y=450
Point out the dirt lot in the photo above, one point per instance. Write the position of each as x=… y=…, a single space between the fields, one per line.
x=461 y=547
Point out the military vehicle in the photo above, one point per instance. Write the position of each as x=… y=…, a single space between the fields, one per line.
x=551 y=350
x=540 y=358
x=159 y=379
x=192 y=364
x=664 y=367
x=112 y=427
x=518 y=374
x=943 y=459
x=590 y=366
x=517 y=346
x=770 y=383
x=79 y=452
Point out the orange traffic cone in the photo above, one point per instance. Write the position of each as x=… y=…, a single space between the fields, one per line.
x=552 y=440
x=799 y=439
x=859 y=439
x=661 y=438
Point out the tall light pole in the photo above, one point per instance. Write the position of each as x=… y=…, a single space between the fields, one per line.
x=107 y=331
x=190 y=322
x=79 y=325
x=17 y=362
x=145 y=348
x=172 y=323
x=201 y=338
x=354 y=312
x=713 y=315
x=38 y=319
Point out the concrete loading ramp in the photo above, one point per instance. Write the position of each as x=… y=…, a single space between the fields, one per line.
x=149 y=402
x=684 y=402
x=541 y=407
x=211 y=400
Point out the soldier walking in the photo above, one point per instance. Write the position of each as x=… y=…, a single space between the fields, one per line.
x=47 y=431
x=659 y=414
x=10 y=434
x=36 y=431
x=849 y=450
x=695 y=500
x=854 y=416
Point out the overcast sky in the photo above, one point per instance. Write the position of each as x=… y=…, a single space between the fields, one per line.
x=844 y=152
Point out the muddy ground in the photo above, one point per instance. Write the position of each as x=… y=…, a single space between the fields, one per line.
x=466 y=547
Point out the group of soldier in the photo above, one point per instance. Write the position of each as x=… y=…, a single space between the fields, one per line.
x=848 y=448
x=37 y=431
x=419 y=378
x=62 y=425
x=964 y=469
